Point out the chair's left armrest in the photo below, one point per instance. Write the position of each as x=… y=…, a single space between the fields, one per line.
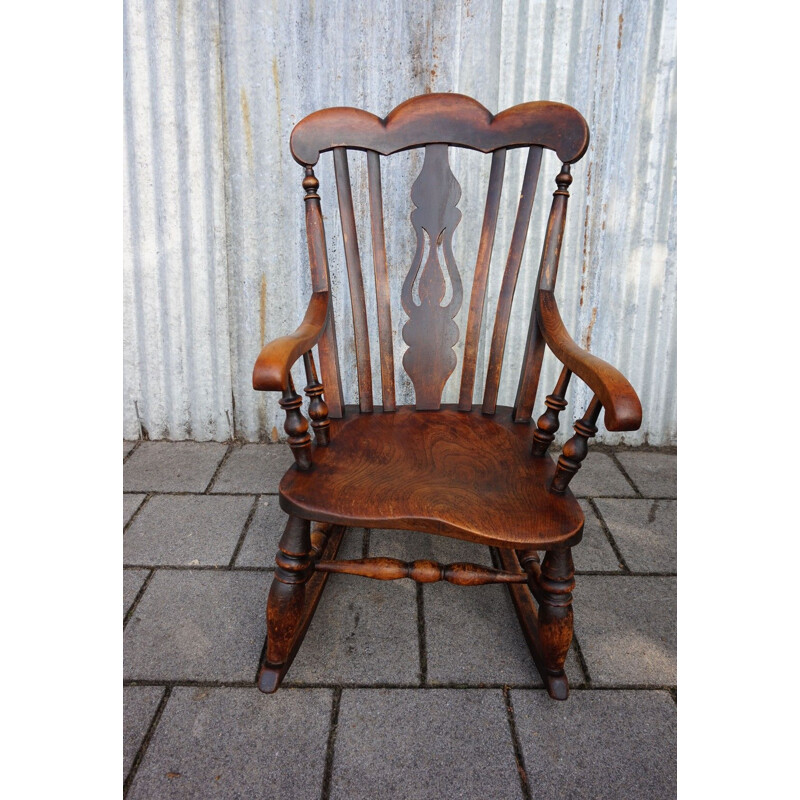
x=623 y=411
x=271 y=370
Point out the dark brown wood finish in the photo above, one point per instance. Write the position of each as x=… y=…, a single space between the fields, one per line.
x=384 y=307
x=481 y=276
x=548 y=269
x=529 y=181
x=430 y=332
x=470 y=473
x=356 y=281
x=320 y=282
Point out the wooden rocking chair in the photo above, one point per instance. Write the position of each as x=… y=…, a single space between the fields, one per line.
x=478 y=473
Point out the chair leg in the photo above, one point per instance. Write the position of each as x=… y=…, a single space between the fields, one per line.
x=556 y=582
x=293 y=596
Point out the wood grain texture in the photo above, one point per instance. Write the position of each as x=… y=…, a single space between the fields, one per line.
x=510 y=275
x=321 y=281
x=430 y=332
x=478 y=298
x=439 y=117
x=271 y=370
x=548 y=269
x=422 y=571
x=355 y=279
x=382 y=294
x=623 y=411
x=460 y=474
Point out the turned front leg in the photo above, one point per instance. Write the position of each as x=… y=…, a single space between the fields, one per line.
x=287 y=594
x=556 y=582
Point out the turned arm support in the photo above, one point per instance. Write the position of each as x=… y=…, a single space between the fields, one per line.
x=623 y=411
x=274 y=362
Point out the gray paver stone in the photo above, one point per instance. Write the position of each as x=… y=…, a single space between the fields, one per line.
x=655 y=474
x=237 y=743
x=130 y=502
x=472 y=635
x=412 y=545
x=172 y=466
x=139 y=706
x=626 y=627
x=593 y=552
x=452 y=743
x=266 y=528
x=599 y=476
x=254 y=469
x=132 y=580
x=364 y=631
x=198 y=625
x=619 y=744
x=127 y=447
x=183 y=530
x=645 y=531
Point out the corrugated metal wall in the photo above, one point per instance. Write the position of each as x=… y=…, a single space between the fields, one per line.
x=215 y=257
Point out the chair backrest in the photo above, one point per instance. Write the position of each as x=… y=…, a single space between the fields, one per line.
x=436 y=122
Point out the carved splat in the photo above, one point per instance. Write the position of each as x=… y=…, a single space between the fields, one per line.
x=430 y=332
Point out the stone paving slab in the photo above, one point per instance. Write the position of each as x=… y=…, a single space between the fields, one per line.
x=172 y=466
x=604 y=744
x=130 y=502
x=237 y=743
x=182 y=530
x=646 y=532
x=626 y=627
x=254 y=469
x=132 y=580
x=139 y=706
x=594 y=552
x=198 y=625
x=445 y=743
x=364 y=631
x=473 y=636
x=127 y=447
x=599 y=476
x=655 y=474
x=266 y=528
x=412 y=545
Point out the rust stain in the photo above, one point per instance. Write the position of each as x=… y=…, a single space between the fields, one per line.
x=262 y=318
x=277 y=83
x=591 y=328
x=274 y=434
x=248 y=131
x=619 y=35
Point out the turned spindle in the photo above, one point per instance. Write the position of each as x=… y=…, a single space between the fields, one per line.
x=575 y=450
x=317 y=408
x=296 y=426
x=548 y=423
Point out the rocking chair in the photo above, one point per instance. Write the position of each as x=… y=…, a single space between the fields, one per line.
x=477 y=473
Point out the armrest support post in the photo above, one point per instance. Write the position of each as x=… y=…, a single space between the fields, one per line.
x=576 y=449
x=548 y=424
x=296 y=426
x=317 y=408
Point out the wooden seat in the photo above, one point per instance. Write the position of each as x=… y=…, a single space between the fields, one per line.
x=474 y=471
x=464 y=475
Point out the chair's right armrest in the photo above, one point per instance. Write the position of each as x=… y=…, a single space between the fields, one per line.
x=271 y=370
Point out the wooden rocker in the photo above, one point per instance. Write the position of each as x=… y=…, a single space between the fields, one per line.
x=478 y=473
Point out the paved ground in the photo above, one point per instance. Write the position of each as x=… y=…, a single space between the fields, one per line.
x=399 y=690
